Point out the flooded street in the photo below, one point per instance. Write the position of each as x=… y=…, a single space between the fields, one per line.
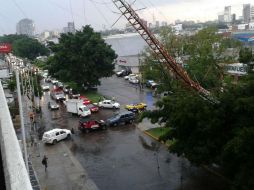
x=123 y=158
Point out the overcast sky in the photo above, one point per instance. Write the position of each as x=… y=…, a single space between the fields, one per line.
x=54 y=14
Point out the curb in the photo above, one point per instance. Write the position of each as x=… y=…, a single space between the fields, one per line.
x=155 y=138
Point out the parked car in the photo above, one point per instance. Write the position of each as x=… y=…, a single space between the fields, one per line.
x=133 y=80
x=60 y=84
x=151 y=84
x=53 y=106
x=45 y=87
x=74 y=94
x=121 y=118
x=57 y=94
x=120 y=73
x=109 y=104
x=129 y=76
x=123 y=73
x=4 y=84
x=48 y=79
x=165 y=93
x=93 y=108
x=136 y=106
x=55 y=135
x=54 y=81
x=66 y=89
x=86 y=125
x=86 y=101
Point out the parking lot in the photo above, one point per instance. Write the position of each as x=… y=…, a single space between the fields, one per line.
x=123 y=157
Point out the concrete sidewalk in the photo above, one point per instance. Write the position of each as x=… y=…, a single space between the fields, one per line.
x=64 y=171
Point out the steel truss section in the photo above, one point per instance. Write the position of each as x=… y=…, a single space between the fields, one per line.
x=163 y=57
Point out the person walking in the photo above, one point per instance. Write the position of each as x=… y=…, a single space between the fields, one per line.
x=72 y=131
x=45 y=162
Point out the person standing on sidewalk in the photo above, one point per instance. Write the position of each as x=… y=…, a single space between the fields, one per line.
x=45 y=162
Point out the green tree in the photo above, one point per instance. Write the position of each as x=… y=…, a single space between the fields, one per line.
x=245 y=55
x=205 y=133
x=83 y=58
x=29 y=48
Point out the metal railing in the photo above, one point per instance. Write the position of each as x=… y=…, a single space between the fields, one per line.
x=16 y=175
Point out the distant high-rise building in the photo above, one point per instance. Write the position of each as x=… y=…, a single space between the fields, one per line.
x=246 y=13
x=227 y=14
x=164 y=23
x=70 y=28
x=26 y=27
x=157 y=24
x=150 y=25
x=252 y=14
x=221 y=18
x=233 y=18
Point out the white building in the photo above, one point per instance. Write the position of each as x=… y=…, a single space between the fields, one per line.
x=128 y=47
x=248 y=13
x=177 y=27
x=252 y=14
x=26 y=27
x=251 y=26
x=227 y=14
x=242 y=26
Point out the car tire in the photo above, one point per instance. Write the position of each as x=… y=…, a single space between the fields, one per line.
x=114 y=107
x=68 y=136
x=104 y=127
x=54 y=141
x=131 y=121
x=115 y=124
x=87 y=131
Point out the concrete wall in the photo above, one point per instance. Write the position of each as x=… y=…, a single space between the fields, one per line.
x=16 y=176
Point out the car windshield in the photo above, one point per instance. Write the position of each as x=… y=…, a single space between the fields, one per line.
x=86 y=109
x=116 y=116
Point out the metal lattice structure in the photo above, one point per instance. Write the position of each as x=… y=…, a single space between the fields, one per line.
x=163 y=57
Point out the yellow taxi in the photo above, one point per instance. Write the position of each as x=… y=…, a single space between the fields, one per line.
x=138 y=106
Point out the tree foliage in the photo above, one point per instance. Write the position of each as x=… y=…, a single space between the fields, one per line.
x=24 y=46
x=83 y=58
x=245 y=55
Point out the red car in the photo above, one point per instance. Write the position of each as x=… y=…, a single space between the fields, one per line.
x=93 y=108
x=86 y=101
x=90 y=125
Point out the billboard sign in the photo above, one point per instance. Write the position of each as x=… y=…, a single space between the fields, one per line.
x=5 y=48
x=236 y=69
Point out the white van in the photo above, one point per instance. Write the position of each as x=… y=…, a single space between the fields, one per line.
x=55 y=135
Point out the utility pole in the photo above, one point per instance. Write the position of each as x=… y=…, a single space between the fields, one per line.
x=22 y=120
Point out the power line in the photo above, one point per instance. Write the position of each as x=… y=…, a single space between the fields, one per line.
x=73 y=14
x=71 y=10
x=19 y=8
x=84 y=9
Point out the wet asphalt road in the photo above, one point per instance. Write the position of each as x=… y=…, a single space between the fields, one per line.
x=123 y=158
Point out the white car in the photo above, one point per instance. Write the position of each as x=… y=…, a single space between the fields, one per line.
x=54 y=82
x=55 y=135
x=130 y=76
x=133 y=80
x=109 y=104
x=45 y=87
x=53 y=106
